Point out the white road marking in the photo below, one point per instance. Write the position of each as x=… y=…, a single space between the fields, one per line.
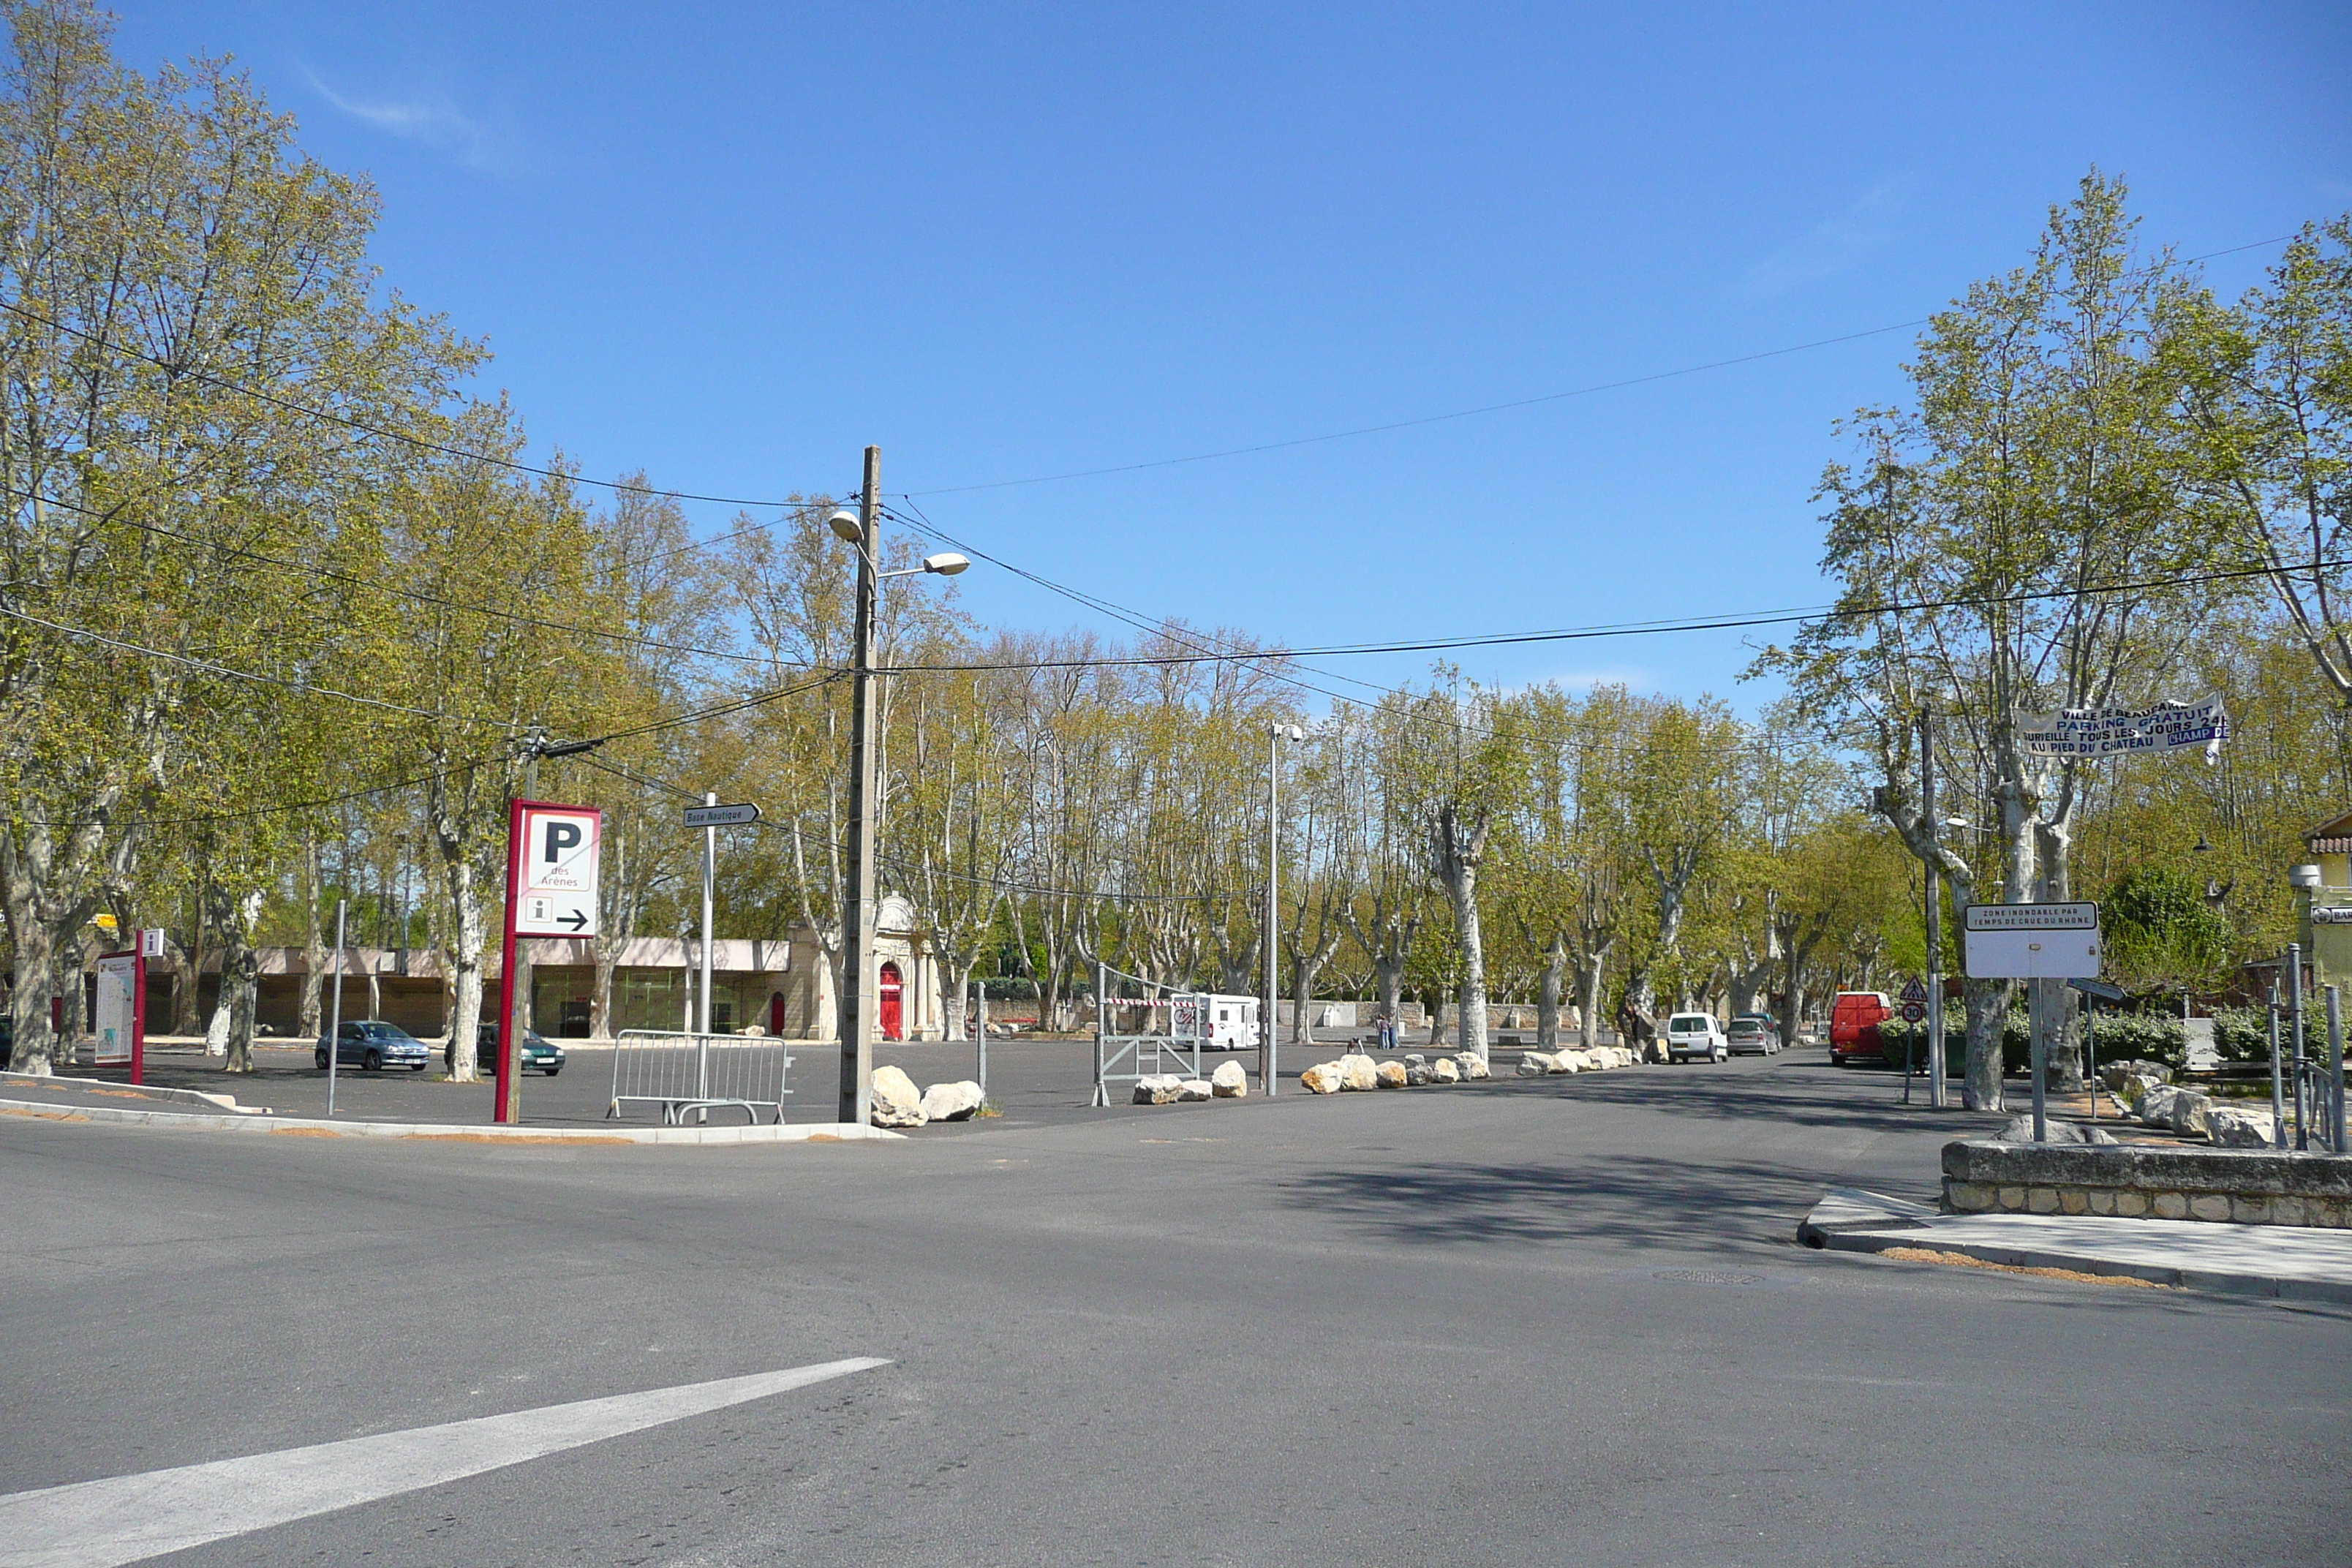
x=126 y=1519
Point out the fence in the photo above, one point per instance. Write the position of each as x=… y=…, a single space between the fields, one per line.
x=682 y=1072
x=1124 y=1058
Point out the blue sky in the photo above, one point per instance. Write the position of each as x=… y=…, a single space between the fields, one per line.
x=734 y=244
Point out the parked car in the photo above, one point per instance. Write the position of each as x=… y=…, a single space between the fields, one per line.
x=1690 y=1035
x=532 y=1052
x=373 y=1044
x=1854 y=1018
x=1753 y=1034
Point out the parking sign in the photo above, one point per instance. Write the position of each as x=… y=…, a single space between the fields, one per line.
x=556 y=894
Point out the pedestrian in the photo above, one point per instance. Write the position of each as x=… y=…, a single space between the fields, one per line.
x=1388 y=1031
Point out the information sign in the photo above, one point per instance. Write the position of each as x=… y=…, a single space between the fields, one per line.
x=2112 y=731
x=556 y=891
x=2032 y=941
x=122 y=1013
x=721 y=816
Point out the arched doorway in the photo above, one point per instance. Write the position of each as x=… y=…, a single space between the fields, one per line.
x=892 y=988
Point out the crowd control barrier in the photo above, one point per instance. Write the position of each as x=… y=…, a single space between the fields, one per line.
x=682 y=1072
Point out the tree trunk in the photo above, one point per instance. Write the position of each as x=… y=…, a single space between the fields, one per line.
x=1463 y=891
x=1548 y=994
x=1987 y=1005
x=466 y=965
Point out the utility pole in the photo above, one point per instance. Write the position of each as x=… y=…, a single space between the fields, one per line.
x=857 y=916
x=1937 y=1091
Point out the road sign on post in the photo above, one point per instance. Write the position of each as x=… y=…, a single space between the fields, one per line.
x=2032 y=941
x=721 y=816
x=551 y=856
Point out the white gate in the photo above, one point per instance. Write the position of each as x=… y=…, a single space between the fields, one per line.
x=682 y=1072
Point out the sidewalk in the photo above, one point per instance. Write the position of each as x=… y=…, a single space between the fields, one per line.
x=2286 y=1262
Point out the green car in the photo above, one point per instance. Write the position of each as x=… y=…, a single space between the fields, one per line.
x=533 y=1052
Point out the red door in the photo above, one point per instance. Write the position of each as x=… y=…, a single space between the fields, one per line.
x=891 y=988
x=776 y=1014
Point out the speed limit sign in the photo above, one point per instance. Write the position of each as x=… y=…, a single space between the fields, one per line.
x=1915 y=1012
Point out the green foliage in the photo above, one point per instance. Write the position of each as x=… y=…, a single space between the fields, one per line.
x=2242 y=1034
x=2160 y=931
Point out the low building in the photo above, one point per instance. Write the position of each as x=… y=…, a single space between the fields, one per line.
x=2328 y=908
x=777 y=986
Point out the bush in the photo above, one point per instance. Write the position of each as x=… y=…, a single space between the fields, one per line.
x=2146 y=1037
x=2143 y=1037
x=2242 y=1034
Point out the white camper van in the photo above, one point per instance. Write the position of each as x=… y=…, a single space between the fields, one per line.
x=1231 y=1024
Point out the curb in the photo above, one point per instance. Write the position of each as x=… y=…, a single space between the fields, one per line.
x=140 y=1092
x=298 y=1127
x=1849 y=1220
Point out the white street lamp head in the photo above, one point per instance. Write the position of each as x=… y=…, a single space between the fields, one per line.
x=946 y=564
x=844 y=523
x=1297 y=733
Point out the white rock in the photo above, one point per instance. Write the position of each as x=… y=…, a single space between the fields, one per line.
x=952 y=1101
x=1230 y=1081
x=1391 y=1075
x=2231 y=1128
x=1472 y=1064
x=1358 y=1074
x=1418 y=1075
x=1156 y=1089
x=1415 y=1059
x=896 y=1102
x=1535 y=1064
x=1193 y=1088
x=2182 y=1110
x=1323 y=1078
x=2020 y=1130
x=1567 y=1061
x=1443 y=1071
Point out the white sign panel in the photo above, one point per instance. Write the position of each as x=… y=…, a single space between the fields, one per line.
x=2032 y=941
x=558 y=892
x=117 y=1008
x=2331 y=914
x=2114 y=731
x=150 y=942
x=721 y=815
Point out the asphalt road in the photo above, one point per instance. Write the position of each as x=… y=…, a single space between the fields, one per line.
x=1554 y=1321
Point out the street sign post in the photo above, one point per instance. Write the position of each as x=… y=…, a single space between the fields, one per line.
x=122 y=1013
x=2033 y=942
x=552 y=862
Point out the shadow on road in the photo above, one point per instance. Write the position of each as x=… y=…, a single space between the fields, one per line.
x=1637 y=1200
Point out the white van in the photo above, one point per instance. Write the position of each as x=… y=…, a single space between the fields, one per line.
x=1222 y=1023
x=1695 y=1034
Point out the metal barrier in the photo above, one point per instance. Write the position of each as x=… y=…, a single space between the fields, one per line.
x=682 y=1072
x=1123 y=1058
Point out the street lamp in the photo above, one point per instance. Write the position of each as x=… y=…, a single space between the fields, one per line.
x=1276 y=735
x=861 y=529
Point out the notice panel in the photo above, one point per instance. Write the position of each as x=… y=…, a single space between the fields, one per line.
x=2032 y=941
x=560 y=847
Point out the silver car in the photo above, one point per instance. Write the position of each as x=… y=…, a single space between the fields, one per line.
x=1752 y=1035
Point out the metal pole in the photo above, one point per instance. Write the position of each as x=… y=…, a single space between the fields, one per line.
x=505 y=1105
x=980 y=1030
x=1938 y=1094
x=1266 y=1058
x=2091 y=1049
x=1102 y=1095
x=335 y=1013
x=2335 y=1072
x=2295 y=1006
x=2039 y=1059
x=2278 y=1101
x=858 y=917
x=709 y=891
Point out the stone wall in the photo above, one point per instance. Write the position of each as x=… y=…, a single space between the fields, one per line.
x=2251 y=1186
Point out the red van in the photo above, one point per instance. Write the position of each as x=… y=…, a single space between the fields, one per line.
x=1853 y=1024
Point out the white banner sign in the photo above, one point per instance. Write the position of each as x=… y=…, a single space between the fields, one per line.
x=2112 y=732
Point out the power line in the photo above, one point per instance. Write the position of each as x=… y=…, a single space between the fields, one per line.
x=1652 y=629
x=205 y=664
x=286 y=808
x=246 y=389
x=1588 y=391
x=297 y=568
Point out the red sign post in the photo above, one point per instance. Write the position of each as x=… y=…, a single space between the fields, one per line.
x=552 y=854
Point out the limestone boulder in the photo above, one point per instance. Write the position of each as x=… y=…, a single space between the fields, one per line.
x=956 y=1101
x=2231 y=1128
x=1157 y=1089
x=2182 y=1110
x=1190 y=1090
x=2021 y=1130
x=2115 y=1073
x=1358 y=1074
x=1443 y=1071
x=1567 y=1061
x=1415 y=1059
x=1390 y=1075
x=1230 y=1081
x=896 y=1102
x=1472 y=1064
x=1418 y=1075
x=1323 y=1078
x=1535 y=1064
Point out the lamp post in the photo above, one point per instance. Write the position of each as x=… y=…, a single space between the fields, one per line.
x=861 y=529
x=1276 y=734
